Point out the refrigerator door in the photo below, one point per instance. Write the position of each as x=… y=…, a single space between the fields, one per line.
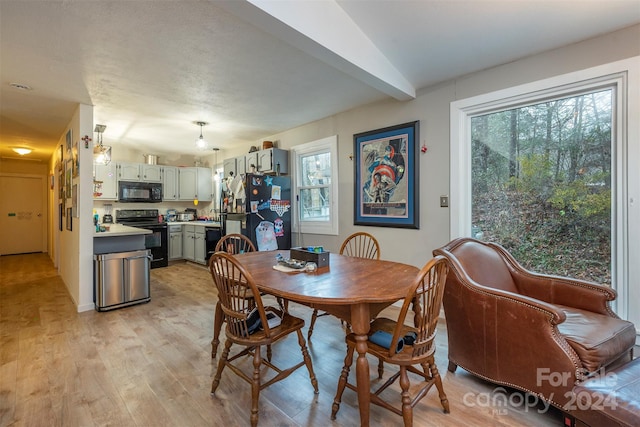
x=269 y=211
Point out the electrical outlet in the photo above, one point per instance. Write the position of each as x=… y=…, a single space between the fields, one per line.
x=444 y=201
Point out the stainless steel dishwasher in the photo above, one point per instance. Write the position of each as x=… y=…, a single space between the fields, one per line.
x=121 y=279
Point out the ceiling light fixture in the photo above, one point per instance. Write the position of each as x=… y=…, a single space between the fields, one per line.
x=201 y=143
x=20 y=86
x=22 y=150
x=101 y=153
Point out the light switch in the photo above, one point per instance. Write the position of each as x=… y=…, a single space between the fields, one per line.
x=444 y=201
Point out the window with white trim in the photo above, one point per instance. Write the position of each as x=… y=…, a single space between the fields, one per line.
x=472 y=143
x=316 y=186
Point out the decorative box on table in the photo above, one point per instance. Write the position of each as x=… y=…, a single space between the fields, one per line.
x=321 y=258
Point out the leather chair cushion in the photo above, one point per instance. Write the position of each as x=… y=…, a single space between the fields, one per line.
x=597 y=339
x=620 y=388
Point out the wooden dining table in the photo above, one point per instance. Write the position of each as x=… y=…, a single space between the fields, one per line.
x=352 y=289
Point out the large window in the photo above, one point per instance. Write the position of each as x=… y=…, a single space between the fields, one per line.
x=541 y=183
x=549 y=170
x=316 y=180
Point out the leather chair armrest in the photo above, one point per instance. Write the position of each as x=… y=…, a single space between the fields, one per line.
x=569 y=292
x=557 y=315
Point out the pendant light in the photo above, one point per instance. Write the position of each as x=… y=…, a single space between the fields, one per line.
x=201 y=143
x=215 y=166
x=101 y=153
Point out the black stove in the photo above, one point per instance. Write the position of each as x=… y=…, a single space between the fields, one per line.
x=157 y=241
x=135 y=217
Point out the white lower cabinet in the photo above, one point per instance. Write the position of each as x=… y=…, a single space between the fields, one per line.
x=194 y=246
x=175 y=242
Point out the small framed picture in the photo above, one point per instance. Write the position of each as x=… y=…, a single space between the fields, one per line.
x=69 y=142
x=69 y=219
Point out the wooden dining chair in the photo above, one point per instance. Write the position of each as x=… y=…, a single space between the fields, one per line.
x=235 y=244
x=235 y=284
x=231 y=244
x=360 y=245
x=417 y=354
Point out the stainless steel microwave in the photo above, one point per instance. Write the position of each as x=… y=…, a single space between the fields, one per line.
x=139 y=192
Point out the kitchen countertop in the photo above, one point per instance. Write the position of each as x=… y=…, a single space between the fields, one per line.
x=120 y=230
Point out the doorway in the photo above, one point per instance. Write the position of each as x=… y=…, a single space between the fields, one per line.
x=22 y=214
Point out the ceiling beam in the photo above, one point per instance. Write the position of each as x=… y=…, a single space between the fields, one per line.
x=325 y=31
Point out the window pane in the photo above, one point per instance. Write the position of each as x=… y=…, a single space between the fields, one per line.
x=315 y=204
x=316 y=169
x=541 y=183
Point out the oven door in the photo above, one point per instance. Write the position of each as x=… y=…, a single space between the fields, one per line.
x=157 y=243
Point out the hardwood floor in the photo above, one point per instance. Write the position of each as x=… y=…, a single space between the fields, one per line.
x=150 y=364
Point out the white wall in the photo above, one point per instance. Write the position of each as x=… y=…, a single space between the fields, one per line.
x=76 y=246
x=431 y=107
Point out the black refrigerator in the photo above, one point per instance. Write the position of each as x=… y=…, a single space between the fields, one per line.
x=268 y=208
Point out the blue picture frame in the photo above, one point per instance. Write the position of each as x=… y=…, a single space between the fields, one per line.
x=387 y=177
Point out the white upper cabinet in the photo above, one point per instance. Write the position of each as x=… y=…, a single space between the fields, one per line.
x=273 y=160
x=150 y=173
x=169 y=183
x=128 y=171
x=229 y=167
x=105 y=183
x=251 y=161
x=195 y=183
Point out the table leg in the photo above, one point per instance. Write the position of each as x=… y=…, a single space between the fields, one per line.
x=360 y=327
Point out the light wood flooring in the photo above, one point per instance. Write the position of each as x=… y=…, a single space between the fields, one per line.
x=150 y=364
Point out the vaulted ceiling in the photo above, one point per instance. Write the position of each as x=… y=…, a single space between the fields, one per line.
x=151 y=68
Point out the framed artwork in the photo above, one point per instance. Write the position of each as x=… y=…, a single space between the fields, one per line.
x=60 y=215
x=69 y=142
x=76 y=161
x=69 y=220
x=387 y=177
x=61 y=188
x=68 y=172
x=74 y=200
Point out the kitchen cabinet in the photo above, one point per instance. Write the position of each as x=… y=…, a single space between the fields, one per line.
x=251 y=160
x=200 y=246
x=188 y=247
x=139 y=172
x=150 y=173
x=273 y=160
x=194 y=244
x=129 y=171
x=195 y=183
x=237 y=165
x=175 y=242
x=229 y=167
x=105 y=182
x=241 y=167
x=169 y=183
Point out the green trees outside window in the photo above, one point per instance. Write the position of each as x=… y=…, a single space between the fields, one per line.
x=542 y=181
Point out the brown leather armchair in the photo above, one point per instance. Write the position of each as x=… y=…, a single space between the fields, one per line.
x=534 y=332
